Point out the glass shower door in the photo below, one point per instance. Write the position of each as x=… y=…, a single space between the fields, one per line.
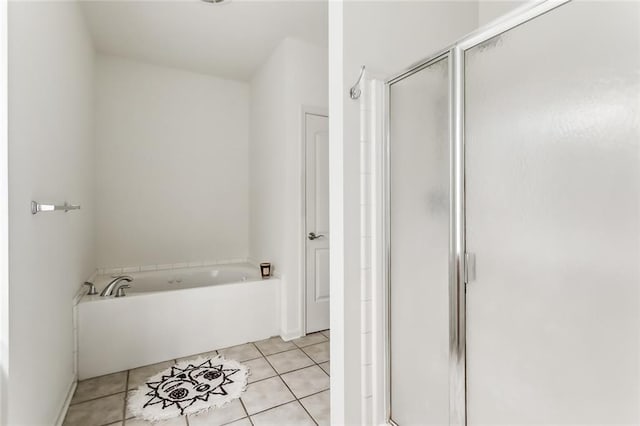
x=552 y=140
x=419 y=241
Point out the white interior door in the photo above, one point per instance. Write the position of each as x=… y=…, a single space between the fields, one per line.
x=317 y=221
x=552 y=145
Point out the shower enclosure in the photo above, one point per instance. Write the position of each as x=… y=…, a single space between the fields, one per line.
x=513 y=223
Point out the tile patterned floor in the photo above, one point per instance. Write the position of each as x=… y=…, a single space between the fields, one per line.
x=288 y=385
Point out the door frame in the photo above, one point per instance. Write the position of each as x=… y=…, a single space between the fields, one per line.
x=302 y=249
x=457 y=212
x=4 y=211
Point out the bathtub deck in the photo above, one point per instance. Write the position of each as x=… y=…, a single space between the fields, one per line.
x=289 y=383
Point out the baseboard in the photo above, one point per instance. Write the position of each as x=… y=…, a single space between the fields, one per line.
x=291 y=335
x=67 y=401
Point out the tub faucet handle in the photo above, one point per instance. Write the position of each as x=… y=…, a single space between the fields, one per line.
x=92 y=288
x=120 y=291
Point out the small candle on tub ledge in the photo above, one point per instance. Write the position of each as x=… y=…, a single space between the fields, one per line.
x=265 y=269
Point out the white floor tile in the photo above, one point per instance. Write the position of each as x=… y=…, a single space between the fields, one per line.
x=219 y=416
x=266 y=394
x=139 y=376
x=274 y=345
x=319 y=352
x=307 y=381
x=176 y=421
x=291 y=360
x=259 y=369
x=241 y=352
x=289 y=414
x=100 y=386
x=319 y=407
x=310 y=339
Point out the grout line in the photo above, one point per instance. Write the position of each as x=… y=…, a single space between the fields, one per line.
x=294 y=343
x=316 y=363
x=245 y=409
x=237 y=420
x=263 y=356
x=287 y=385
x=297 y=369
x=126 y=398
x=186 y=416
x=307 y=411
x=315 y=393
x=311 y=344
x=290 y=371
x=271 y=408
x=98 y=397
x=280 y=377
x=286 y=372
x=289 y=402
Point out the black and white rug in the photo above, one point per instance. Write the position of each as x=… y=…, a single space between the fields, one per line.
x=189 y=387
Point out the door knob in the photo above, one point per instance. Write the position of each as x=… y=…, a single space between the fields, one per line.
x=312 y=236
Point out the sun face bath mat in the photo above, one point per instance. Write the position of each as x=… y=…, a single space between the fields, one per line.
x=189 y=387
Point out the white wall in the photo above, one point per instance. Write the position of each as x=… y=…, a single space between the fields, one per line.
x=488 y=10
x=295 y=75
x=50 y=160
x=171 y=165
x=267 y=151
x=386 y=37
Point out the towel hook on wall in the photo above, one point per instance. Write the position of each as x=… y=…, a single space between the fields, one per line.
x=355 y=90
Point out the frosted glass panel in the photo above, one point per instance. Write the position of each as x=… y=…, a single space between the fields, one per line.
x=553 y=185
x=419 y=179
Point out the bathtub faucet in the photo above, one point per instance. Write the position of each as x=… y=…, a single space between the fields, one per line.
x=108 y=290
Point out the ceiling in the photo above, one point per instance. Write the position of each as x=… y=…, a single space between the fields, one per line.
x=229 y=40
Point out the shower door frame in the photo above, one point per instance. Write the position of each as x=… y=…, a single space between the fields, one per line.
x=457 y=213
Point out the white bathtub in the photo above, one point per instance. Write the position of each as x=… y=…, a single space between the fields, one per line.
x=174 y=313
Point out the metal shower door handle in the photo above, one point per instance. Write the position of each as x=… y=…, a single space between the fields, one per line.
x=469 y=267
x=312 y=236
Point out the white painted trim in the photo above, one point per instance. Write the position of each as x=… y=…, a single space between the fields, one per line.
x=336 y=210
x=372 y=232
x=4 y=213
x=379 y=360
x=302 y=238
x=67 y=401
x=367 y=233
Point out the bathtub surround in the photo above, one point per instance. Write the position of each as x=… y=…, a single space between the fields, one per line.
x=294 y=76
x=174 y=313
x=50 y=159
x=171 y=165
x=169 y=266
x=189 y=387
